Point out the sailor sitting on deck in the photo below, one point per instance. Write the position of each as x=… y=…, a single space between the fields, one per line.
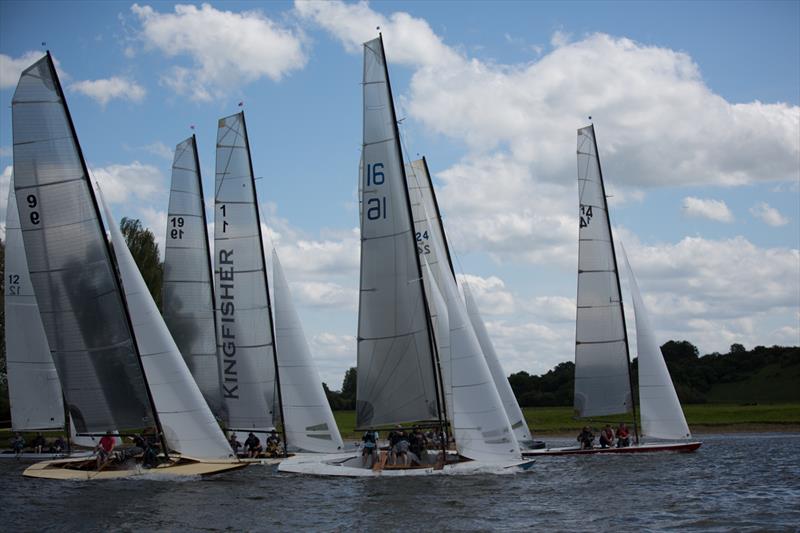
x=59 y=445
x=104 y=449
x=369 y=448
x=234 y=443
x=252 y=445
x=274 y=444
x=39 y=443
x=586 y=438
x=607 y=437
x=623 y=437
x=18 y=444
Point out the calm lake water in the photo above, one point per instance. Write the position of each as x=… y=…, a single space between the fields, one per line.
x=741 y=482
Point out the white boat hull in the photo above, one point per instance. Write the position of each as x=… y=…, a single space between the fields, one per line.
x=349 y=465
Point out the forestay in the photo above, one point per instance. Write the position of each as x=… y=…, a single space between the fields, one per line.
x=188 y=425
x=77 y=291
x=602 y=384
x=396 y=381
x=245 y=334
x=659 y=407
x=308 y=418
x=33 y=388
x=188 y=294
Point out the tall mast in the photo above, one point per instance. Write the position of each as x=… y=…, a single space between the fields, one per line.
x=117 y=282
x=619 y=287
x=438 y=216
x=266 y=285
x=440 y=407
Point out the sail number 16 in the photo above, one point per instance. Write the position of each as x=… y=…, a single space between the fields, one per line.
x=376 y=207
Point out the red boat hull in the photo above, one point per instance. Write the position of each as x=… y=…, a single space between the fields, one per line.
x=679 y=447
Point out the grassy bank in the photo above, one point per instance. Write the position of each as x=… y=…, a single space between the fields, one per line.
x=708 y=417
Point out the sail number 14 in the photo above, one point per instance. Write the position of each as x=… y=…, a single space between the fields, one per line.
x=376 y=207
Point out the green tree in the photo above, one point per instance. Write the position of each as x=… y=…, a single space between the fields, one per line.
x=142 y=244
x=349 y=384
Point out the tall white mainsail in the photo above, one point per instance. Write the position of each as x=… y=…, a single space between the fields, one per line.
x=33 y=388
x=659 y=407
x=429 y=229
x=188 y=278
x=397 y=379
x=308 y=418
x=187 y=423
x=245 y=330
x=79 y=297
x=602 y=373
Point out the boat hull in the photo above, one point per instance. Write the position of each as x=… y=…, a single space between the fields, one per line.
x=178 y=466
x=678 y=447
x=348 y=465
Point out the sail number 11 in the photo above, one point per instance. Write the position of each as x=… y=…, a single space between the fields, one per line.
x=376 y=207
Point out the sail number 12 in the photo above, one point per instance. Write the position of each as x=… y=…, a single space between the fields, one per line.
x=376 y=207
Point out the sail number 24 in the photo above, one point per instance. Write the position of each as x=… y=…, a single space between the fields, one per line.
x=376 y=207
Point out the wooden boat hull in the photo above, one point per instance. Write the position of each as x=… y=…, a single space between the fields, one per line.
x=677 y=447
x=348 y=465
x=179 y=466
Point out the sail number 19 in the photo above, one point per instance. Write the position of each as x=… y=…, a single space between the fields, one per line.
x=376 y=207
x=177 y=223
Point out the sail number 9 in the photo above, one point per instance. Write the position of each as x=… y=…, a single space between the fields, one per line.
x=376 y=207
x=32 y=203
x=177 y=223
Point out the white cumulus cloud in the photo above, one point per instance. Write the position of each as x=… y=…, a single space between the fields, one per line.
x=227 y=49
x=11 y=68
x=123 y=182
x=768 y=214
x=114 y=88
x=707 y=208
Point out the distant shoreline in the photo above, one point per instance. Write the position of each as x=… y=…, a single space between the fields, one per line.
x=697 y=430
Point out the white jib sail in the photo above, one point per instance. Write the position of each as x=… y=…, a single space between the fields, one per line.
x=33 y=387
x=308 y=419
x=602 y=383
x=396 y=381
x=659 y=407
x=245 y=333
x=515 y=416
x=480 y=424
x=189 y=427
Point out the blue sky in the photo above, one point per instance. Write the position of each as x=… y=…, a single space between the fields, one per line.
x=695 y=106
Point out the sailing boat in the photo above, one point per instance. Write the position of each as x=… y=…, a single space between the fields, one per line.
x=401 y=373
x=119 y=368
x=34 y=391
x=603 y=384
x=428 y=228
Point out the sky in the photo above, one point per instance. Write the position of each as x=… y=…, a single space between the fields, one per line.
x=695 y=106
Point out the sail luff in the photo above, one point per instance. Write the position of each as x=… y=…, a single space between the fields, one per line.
x=602 y=369
x=187 y=424
x=309 y=423
x=662 y=415
x=397 y=381
x=438 y=213
x=70 y=265
x=34 y=393
x=188 y=288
